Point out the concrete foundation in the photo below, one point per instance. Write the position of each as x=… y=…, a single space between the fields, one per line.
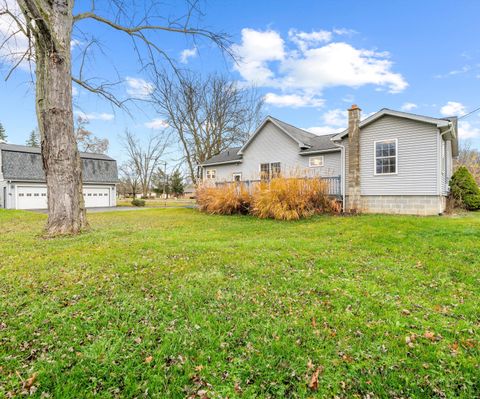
x=423 y=205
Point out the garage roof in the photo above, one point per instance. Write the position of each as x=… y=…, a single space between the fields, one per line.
x=24 y=163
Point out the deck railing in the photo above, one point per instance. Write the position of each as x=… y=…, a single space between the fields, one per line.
x=334 y=184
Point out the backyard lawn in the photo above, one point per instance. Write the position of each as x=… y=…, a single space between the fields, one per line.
x=171 y=303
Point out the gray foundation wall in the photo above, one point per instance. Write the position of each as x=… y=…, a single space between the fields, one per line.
x=423 y=205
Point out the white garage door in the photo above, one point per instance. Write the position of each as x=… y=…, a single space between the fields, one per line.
x=96 y=197
x=32 y=197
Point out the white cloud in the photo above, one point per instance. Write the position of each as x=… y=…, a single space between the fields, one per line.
x=257 y=49
x=467 y=131
x=304 y=40
x=95 y=116
x=340 y=64
x=310 y=65
x=75 y=43
x=452 y=108
x=186 y=54
x=293 y=100
x=408 y=107
x=74 y=91
x=322 y=130
x=139 y=88
x=336 y=117
x=156 y=124
x=462 y=70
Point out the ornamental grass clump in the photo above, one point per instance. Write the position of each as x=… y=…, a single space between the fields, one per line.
x=292 y=199
x=226 y=199
x=280 y=198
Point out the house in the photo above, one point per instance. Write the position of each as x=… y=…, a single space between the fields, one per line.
x=23 y=186
x=190 y=191
x=390 y=162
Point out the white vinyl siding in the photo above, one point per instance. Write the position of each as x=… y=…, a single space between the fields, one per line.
x=417 y=158
x=271 y=145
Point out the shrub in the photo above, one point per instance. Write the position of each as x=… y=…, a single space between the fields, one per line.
x=472 y=202
x=280 y=198
x=227 y=199
x=464 y=190
x=138 y=202
x=292 y=199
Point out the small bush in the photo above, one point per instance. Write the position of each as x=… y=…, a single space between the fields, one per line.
x=464 y=190
x=138 y=202
x=280 y=198
x=227 y=199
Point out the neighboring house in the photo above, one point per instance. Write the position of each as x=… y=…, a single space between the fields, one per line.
x=23 y=186
x=189 y=191
x=391 y=162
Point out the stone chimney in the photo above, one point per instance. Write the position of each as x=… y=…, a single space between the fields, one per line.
x=353 y=188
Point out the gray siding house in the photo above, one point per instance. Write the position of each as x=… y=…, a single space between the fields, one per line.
x=23 y=186
x=390 y=162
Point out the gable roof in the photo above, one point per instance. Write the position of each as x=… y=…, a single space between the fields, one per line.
x=228 y=156
x=301 y=137
x=308 y=143
x=24 y=163
x=439 y=122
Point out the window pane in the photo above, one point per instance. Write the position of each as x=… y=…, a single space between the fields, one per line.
x=275 y=167
x=316 y=161
x=264 y=171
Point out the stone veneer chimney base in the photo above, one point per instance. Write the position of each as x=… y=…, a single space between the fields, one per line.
x=353 y=200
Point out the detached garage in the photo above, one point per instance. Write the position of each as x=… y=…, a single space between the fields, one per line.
x=22 y=180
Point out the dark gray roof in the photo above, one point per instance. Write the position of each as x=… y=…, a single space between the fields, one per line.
x=321 y=143
x=230 y=155
x=301 y=135
x=25 y=164
x=36 y=150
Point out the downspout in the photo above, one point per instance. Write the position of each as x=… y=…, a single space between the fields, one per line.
x=342 y=160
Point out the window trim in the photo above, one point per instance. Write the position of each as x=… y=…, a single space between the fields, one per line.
x=322 y=157
x=375 y=157
x=237 y=174
x=211 y=170
x=269 y=177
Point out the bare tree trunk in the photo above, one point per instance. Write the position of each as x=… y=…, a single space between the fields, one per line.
x=61 y=159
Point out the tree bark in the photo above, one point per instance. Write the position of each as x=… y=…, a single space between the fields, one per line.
x=61 y=159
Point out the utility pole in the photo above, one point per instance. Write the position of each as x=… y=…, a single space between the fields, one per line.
x=165 y=183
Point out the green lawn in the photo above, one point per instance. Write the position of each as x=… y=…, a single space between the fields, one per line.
x=160 y=203
x=171 y=303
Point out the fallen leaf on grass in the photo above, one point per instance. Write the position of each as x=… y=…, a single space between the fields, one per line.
x=410 y=339
x=148 y=359
x=237 y=388
x=313 y=385
x=429 y=335
x=28 y=383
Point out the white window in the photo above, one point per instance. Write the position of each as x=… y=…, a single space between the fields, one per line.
x=270 y=170
x=211 y=173
x=386 y=157
x=237 y=177
x=315 y=162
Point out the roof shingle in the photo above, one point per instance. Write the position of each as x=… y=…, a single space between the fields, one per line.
x=25 y=164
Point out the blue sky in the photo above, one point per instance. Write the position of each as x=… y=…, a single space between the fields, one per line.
x=311 y=59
